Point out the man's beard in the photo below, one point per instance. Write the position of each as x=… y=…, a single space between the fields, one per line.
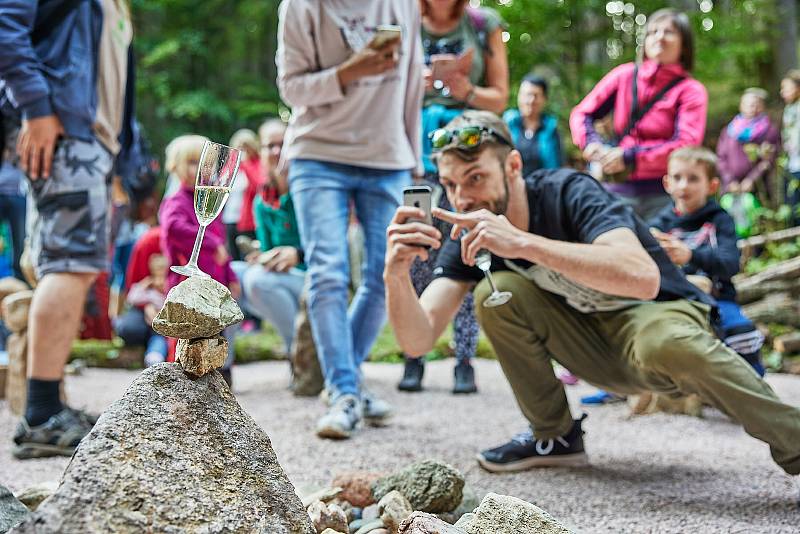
x=498 y=206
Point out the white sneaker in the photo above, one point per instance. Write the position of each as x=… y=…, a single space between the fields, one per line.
x=341 y=419
x=377 y=411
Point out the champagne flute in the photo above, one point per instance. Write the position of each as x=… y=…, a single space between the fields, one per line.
x=216 y=172
x=483 y=259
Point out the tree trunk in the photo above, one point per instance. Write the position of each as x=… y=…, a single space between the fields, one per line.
x=747 y=292
x=780 y=271
x=778 y=308
x=785 y=49
x=787 y=343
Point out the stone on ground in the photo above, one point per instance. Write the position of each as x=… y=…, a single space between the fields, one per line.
x=328 y=517
x=357 y=487
x=33 y=496
x=12 y=511
x=173 y=455
x=502 y=514
x=422 y=523
x=201 y=356
x=430 y=486
x=394 y=509
x=197 y=307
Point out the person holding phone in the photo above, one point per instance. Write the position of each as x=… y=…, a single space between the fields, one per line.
x=341 y=152
x=591 y=288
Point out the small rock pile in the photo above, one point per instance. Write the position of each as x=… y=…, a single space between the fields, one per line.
x=196 y=311
x=427 y=497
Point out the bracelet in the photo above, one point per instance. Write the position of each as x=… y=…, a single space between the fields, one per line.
x=470 y=96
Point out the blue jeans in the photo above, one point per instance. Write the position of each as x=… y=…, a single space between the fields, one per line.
x=270 y=296
x=12 y=209
x=322 y=194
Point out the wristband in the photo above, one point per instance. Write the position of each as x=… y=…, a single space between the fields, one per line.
x=470 y=96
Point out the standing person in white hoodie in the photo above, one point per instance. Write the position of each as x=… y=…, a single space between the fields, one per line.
x=354 y=139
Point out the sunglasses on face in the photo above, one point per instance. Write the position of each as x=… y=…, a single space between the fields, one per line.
x=466 y=138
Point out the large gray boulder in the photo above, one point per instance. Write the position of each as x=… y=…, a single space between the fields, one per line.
x=173 y=455
x=430 y=486
x=197 y=307
x=502 y=514
x=12 y=511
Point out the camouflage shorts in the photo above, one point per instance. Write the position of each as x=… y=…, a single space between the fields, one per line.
x=70 y=230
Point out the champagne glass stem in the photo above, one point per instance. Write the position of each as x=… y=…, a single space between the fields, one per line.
x=197 y=242
x=491 y=280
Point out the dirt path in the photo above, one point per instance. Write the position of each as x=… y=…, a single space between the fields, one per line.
x=652 y=474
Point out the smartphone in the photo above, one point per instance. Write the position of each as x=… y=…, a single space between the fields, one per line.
x=419 y=196
x=385 y=34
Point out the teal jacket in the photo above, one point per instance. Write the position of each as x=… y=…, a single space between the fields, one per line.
x=549 y=143
x=277 y=227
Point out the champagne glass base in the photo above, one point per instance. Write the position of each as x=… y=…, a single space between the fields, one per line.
x=188 y=270
x=497 y=299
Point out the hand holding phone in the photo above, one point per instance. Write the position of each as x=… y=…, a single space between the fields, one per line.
x=384 y=35
x=419 y=196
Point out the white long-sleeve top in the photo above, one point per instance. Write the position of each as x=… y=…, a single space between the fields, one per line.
x=373 y=122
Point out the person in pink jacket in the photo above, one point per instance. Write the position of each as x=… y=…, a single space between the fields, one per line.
x=667 y=112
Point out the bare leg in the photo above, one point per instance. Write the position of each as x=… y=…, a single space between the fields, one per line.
x=55 y=316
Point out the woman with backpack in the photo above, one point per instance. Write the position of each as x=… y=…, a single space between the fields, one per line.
x=658 y=107
x=465 y=68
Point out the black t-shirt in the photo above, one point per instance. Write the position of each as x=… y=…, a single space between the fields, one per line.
x=567 y=205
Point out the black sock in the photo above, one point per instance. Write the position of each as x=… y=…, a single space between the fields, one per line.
x=43 y=400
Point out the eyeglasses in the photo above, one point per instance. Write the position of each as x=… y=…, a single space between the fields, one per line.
x=466 y=138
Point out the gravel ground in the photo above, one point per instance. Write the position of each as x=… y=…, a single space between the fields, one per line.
x=650 y=474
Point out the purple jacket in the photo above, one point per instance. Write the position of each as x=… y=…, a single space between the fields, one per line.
x=734 y=164
x=179 y=228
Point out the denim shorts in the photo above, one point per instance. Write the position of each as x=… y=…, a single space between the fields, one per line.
x=70 y=230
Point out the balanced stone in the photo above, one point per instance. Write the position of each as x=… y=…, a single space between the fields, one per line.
x=15 y=309
x=173 y=455
x=430 y=486
x=502 y=514
x=197 y=307
x=201 y=356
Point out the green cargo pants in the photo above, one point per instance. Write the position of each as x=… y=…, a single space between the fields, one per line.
x=665 y=347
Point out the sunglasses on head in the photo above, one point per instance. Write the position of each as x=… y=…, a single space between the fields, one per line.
x=466 y=138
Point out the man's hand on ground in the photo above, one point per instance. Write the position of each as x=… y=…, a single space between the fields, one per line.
x=485 y=230
x=36 y=144
x=407 y=240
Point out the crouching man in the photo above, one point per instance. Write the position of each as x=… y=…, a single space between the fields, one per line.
x=591 y=289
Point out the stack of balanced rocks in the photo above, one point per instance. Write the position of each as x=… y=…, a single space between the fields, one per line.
x=196 y=311
x=177 y=453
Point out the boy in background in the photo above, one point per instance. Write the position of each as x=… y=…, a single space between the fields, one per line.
x=700 y=237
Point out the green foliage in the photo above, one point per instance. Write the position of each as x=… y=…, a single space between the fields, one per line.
x=208 y=67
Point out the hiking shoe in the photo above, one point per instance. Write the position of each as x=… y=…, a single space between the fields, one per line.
x=58 y=436
x=525 y=452
x=601 y=397
x=88 y=418
x=412 y=375
x=341 y=419
x=464 y=382
x=377 y=411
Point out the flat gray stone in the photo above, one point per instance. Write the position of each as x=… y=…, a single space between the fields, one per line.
x=173 y=455
x=197 y=307
x=430 y=486
x=503 y=514
x=12 y=511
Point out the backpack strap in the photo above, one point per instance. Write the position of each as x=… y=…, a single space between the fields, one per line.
x=636 y=112
x=44 y=25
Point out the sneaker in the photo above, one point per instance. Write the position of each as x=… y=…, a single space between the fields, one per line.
x=464 y=382
x=525 y=452
x=377 y=411
x=601 y=397
x=341 y=419
x=412 y=375
x=58 y=436
x=89 y=418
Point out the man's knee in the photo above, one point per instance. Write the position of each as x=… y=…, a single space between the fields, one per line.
x=526 y=298
x=672 y=345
